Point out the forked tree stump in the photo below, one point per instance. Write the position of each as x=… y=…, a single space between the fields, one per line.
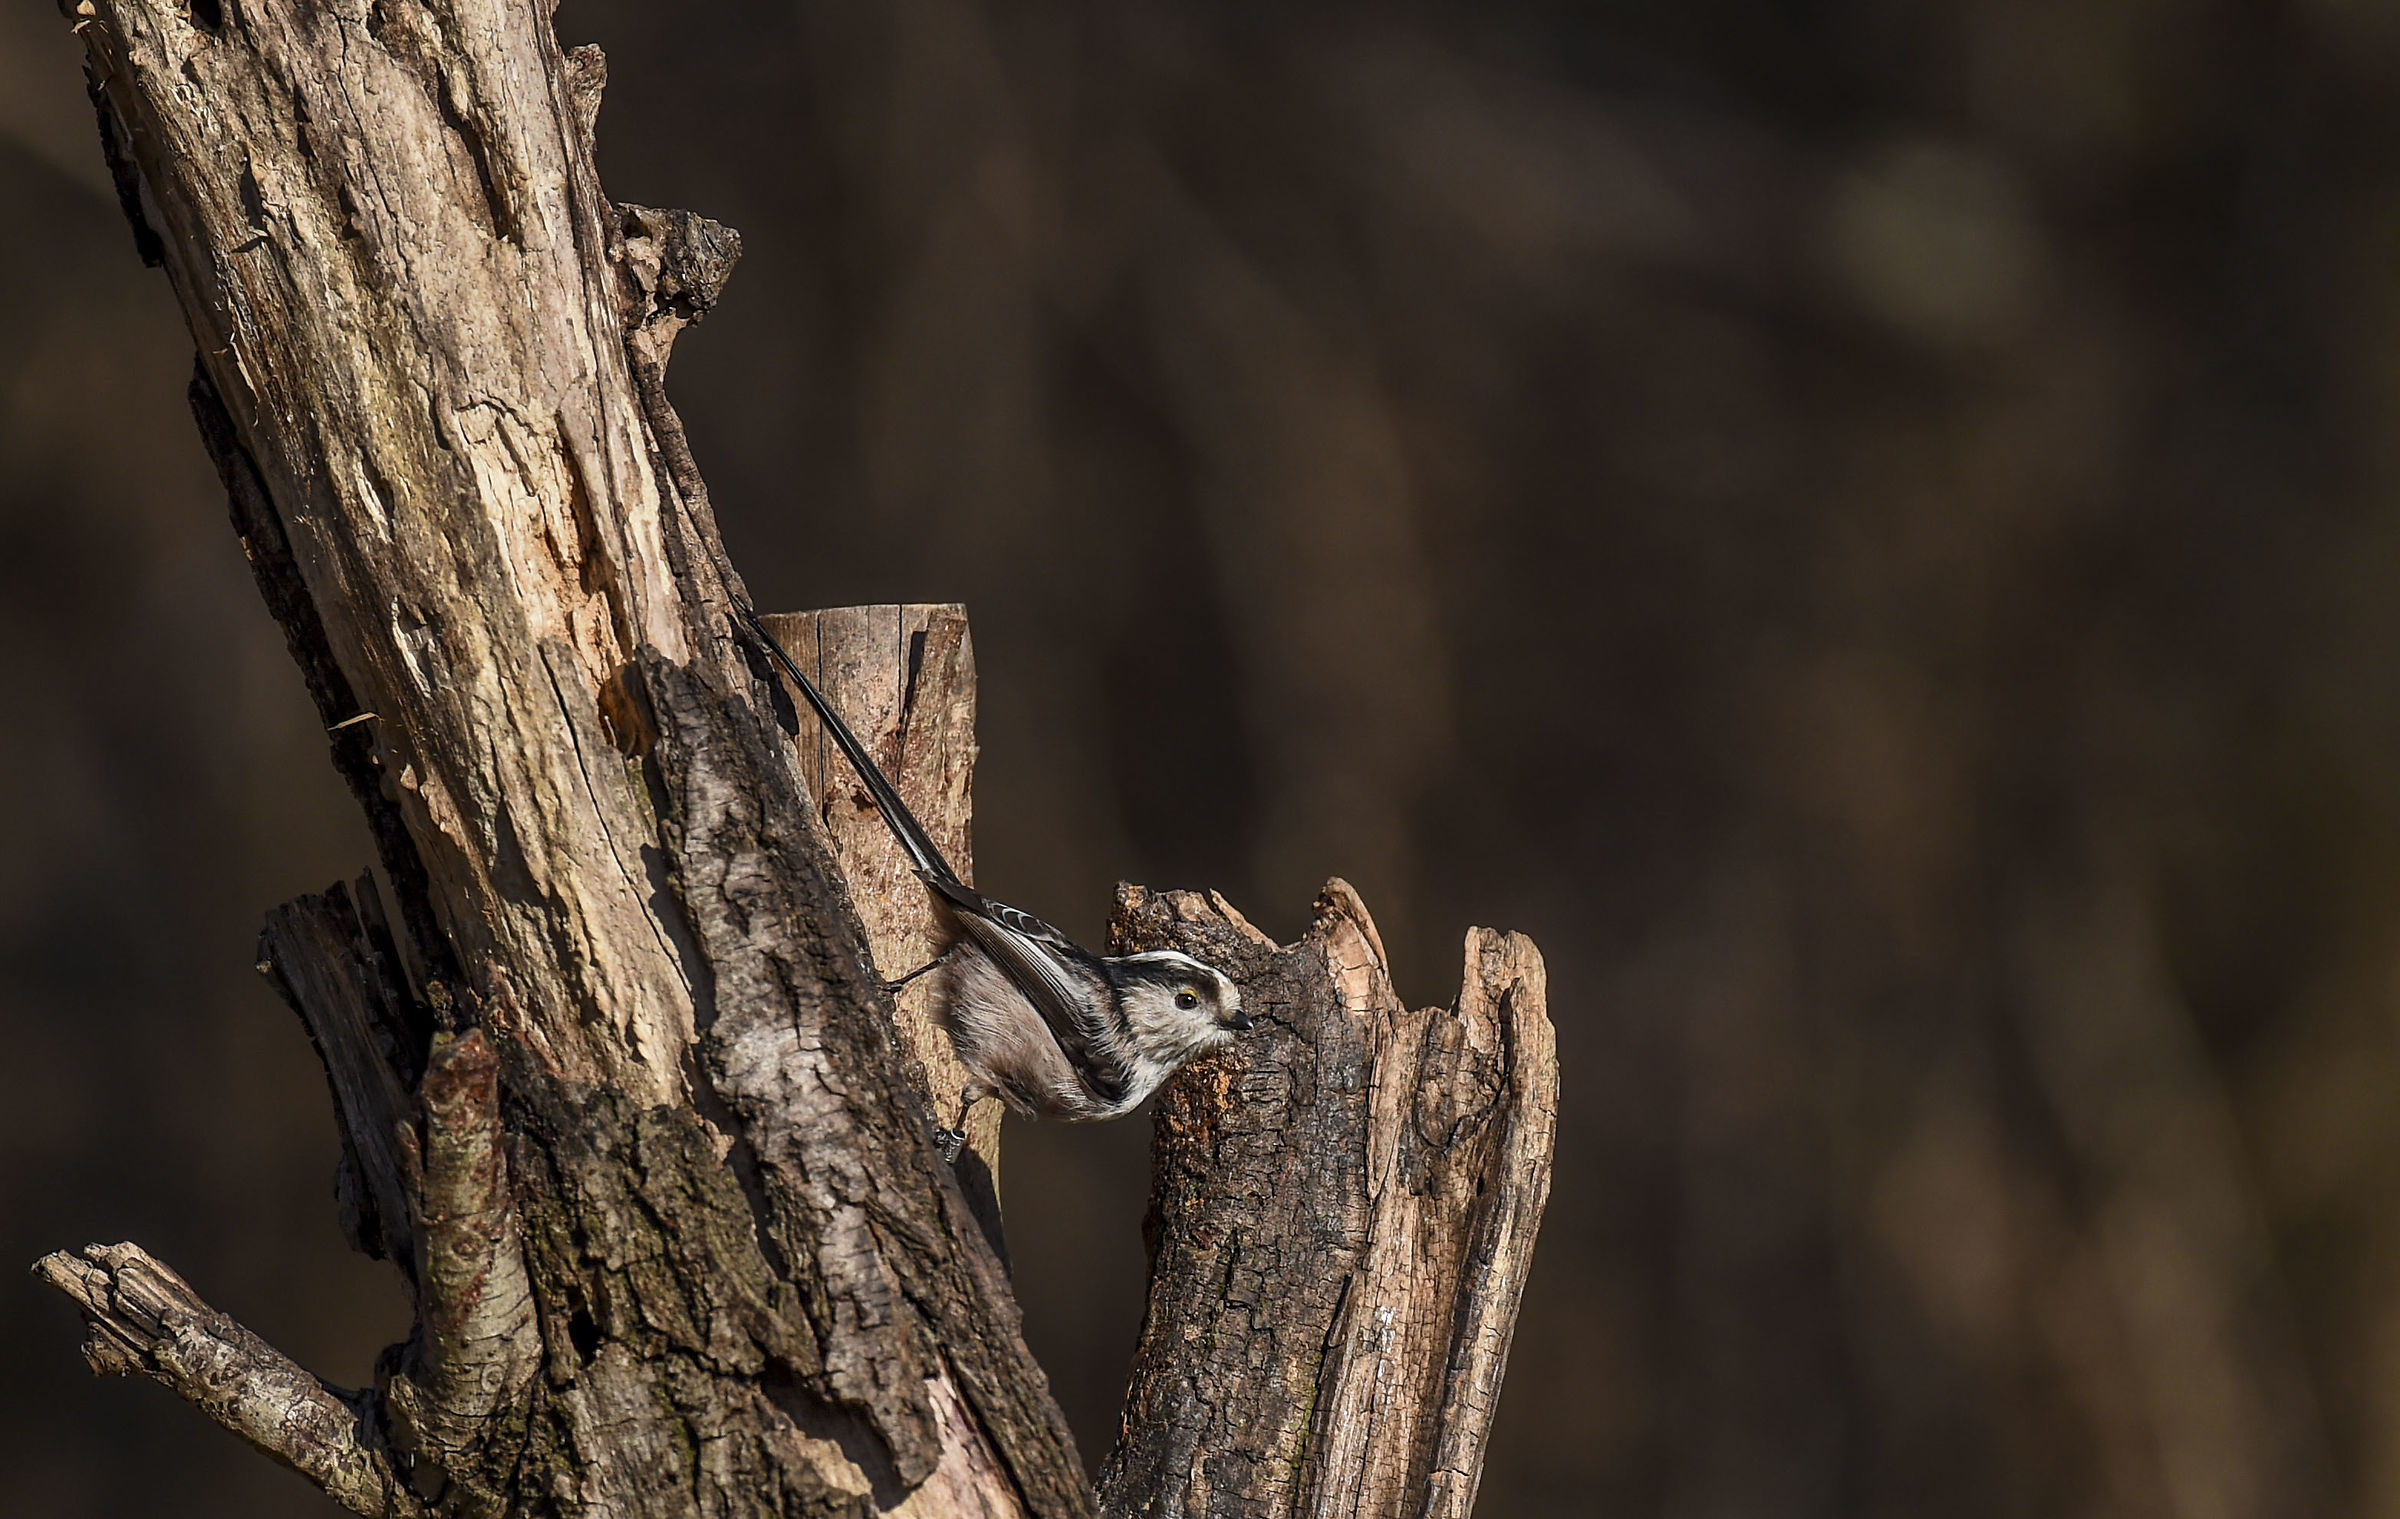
x=622 y=1090
x=1342 y=1213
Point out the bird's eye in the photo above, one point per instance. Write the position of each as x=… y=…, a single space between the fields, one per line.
x=1187 y=999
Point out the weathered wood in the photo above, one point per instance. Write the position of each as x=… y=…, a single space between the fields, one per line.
x=431 y=358
x=1343 y=1210
x=904 y=679
x=269 y=550
x=455 y=1404
x=143 y=1320
x=424 y=1183
x=393 y=255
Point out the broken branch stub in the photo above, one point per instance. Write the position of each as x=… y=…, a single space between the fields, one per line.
x=332 y=959
x=903 y=678
x=143 y=1320
x=1343 y=1208
x=680 y=1240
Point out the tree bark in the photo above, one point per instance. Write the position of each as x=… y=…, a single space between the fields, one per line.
x=1341 y=1218
x=622 y=1088
x=433 y=351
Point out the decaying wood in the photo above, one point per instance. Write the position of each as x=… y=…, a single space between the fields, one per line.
x=397 y=275
x=626 y=1095
x=456 y=1402
x=432 y=351
x=903 y=677
x=1342 y=1215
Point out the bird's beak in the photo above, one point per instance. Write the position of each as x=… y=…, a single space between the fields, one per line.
x=1239 y=1023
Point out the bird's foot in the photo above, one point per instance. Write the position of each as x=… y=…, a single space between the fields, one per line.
x=951 y=1142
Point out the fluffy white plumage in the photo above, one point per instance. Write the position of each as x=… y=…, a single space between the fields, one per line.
x=1169 y=1009
x=1038 y=1020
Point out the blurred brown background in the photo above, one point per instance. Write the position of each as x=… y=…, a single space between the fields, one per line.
x=1870 y=529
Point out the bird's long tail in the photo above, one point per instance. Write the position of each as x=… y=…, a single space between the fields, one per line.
x=911 y=835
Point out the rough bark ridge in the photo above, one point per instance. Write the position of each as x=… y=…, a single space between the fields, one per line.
x=1342 y=1216
x=621 y=1088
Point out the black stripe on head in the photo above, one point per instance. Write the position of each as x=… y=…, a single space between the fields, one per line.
x=1165 y=974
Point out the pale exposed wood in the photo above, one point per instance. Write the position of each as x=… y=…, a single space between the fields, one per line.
x=1342 y=1215
x=1504 y=993
x=396 y=273
x=903 y=677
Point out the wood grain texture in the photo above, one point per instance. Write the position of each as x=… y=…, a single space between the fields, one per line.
x=455 y=1405
x=627 y=1096
x=394 y=257
x=1343 y=1209
x=332 y=959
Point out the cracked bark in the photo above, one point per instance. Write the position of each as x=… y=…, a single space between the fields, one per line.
x=1342 y=1214
x=736 y=1277
x=622 y=1091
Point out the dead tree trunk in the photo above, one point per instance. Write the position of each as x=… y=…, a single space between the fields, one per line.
x=621 y=1088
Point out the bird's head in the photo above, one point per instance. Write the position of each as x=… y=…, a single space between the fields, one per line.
x=1175 y=1007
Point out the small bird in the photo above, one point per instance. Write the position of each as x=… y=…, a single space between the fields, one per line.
x=1041 y=1022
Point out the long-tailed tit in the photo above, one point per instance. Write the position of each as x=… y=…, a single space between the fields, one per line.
x=1038 y=1020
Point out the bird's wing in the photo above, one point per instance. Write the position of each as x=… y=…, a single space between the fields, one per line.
x=1015 y=919
x=1057 y=976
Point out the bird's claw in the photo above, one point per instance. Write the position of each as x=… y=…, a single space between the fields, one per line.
x=951 y=1141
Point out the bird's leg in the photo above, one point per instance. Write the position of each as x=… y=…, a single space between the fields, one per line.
x=951 y=1142
x=901 y=985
